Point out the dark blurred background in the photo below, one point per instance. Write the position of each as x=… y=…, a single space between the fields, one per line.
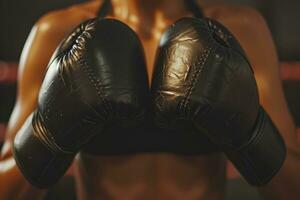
x=17 y=17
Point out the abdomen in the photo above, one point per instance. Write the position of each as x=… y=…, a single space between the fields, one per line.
x=150 y=176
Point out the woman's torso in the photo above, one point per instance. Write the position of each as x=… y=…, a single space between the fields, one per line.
x=147 y=175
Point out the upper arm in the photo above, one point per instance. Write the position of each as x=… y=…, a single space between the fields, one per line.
x=252 y=32
x=39 y=47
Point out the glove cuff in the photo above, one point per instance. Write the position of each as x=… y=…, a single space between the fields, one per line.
x=39 y=165
x=262 y=157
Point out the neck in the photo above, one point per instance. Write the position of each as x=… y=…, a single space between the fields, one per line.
x=170 y=8
x=146 y=13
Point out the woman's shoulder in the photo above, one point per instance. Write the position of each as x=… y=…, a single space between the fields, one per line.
x=232 y=13
x=68 y=18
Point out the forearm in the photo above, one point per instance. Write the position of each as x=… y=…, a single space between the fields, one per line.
x=13 y=185
x=286 y=183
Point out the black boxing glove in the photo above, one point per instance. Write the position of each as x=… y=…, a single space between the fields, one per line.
x=97 y=78
x=203 y=79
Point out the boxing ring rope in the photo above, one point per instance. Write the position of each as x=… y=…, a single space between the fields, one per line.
x=8 y=72
x=290 y=71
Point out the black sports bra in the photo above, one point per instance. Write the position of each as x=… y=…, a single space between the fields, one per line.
x=147 y=139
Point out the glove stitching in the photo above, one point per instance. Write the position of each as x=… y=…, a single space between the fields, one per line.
x=97 y=84
x=199 y=65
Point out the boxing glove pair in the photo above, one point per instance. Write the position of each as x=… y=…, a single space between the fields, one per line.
x=97 y=78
